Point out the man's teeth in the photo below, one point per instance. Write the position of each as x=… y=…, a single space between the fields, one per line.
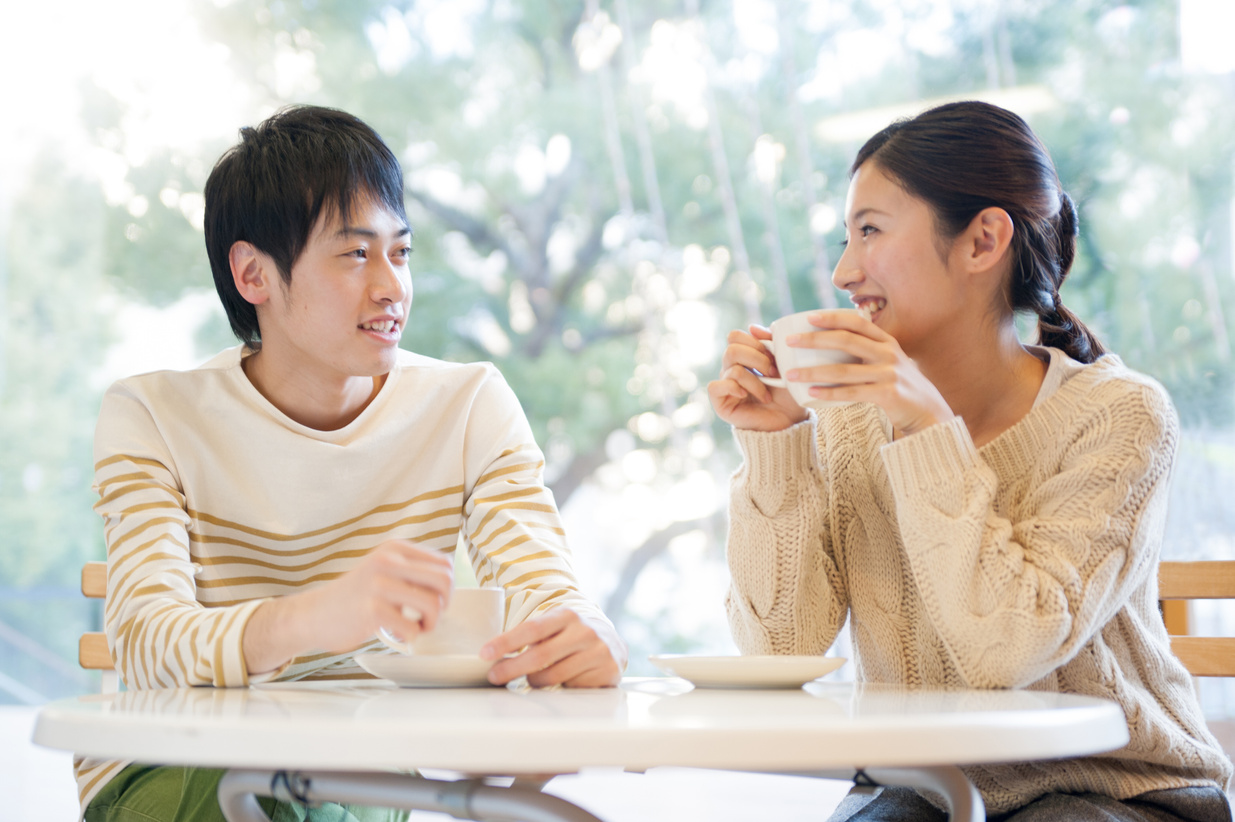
x=385 y=326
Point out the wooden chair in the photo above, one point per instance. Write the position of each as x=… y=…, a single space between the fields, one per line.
x=1178 y=584
x=92 y=653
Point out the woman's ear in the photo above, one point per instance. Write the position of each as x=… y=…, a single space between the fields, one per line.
x=987 y=239
x=251 y=271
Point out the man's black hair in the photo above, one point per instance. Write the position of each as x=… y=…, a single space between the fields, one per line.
x=270 y=189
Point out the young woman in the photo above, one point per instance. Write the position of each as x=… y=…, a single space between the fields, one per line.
x=987 y=514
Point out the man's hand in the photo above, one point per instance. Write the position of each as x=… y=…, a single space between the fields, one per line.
x=559 y=647
x=347 y=611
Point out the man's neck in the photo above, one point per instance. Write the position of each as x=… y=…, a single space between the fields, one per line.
x=314 y=402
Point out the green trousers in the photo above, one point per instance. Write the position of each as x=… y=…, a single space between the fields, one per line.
x=174 y=794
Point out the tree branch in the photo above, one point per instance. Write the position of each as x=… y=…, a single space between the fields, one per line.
x=654 y=546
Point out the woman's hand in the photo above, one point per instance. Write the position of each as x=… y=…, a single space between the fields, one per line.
x=886 y=376
x=740 y=398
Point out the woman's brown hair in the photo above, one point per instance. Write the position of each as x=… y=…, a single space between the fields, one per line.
x=961 y=158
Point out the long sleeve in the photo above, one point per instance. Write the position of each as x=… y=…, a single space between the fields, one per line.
x=159 y=635
x=512 y=528
x=1027 y=563
x=787 y=595
x=1014 y=599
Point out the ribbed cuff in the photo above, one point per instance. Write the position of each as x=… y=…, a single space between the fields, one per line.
x=931 y=458
x=773 y=455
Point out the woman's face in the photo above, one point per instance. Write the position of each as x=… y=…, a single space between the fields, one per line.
x=892 y=261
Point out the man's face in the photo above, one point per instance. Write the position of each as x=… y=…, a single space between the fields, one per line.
x=344 y=311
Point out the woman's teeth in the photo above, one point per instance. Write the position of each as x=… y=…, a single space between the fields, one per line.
x=385 y=326
x=868 y=308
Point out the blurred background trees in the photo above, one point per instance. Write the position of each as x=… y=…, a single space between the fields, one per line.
x=600 y=190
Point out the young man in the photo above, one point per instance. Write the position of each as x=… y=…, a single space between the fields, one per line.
x=269 y=511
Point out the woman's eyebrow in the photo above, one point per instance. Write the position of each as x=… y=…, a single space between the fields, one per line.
x=858 y=215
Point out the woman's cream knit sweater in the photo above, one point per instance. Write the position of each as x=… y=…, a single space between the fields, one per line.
x=1028 y=563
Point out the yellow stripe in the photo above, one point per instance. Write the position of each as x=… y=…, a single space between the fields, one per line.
x=511 y=524
x=240 y=559
x=548 y=572
x=207 y=584
x=133 y=488
x=516 y=494
x=381 y=509
x=510 y=469
x=116 y=546
x=107 y=769
x=506 y=566
x=126 y=458
x=497 y=509
x=549 y=600
x=514 y=543
x=121 y=584
x=136 y=475
x=373 y=530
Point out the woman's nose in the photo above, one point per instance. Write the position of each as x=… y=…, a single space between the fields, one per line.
x=847 y=273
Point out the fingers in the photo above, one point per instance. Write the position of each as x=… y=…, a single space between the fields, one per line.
x=412 y=584
x=527 y=633
x=558 y=648
x=747 y=351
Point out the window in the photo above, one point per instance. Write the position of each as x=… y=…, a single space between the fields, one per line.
x=600 y=191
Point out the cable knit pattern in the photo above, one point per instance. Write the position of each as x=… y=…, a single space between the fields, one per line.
x=1028 y=563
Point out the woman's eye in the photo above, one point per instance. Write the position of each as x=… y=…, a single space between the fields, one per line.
x=867 y=230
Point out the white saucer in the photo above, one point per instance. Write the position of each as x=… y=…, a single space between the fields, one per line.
x=746 y=671
x=430 y=671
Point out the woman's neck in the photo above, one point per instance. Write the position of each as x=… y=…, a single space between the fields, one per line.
x=990 y=380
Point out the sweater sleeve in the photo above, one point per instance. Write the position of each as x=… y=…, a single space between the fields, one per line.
x=513 y=530
x=159 y=635
x=786 y=595
x=1014 y=599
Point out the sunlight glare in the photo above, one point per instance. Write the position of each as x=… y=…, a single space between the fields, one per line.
x=174 y=88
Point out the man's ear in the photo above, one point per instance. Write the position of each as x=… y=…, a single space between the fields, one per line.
x=987 y=238
x=252 y=271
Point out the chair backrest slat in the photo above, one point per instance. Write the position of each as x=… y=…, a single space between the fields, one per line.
x=1204 y=579
x=94 y=580
x=1180 y=582
x=92 y=653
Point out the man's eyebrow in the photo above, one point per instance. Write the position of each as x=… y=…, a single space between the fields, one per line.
x=354 y=231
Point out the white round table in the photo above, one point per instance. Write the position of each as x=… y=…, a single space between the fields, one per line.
x=347 y=737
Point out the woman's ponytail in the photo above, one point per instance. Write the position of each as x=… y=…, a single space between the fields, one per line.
x=1057 y=326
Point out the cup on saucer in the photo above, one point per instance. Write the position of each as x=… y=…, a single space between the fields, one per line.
x=473 y=617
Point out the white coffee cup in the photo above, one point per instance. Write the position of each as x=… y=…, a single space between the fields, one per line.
x=789 y=358
x=473 y=617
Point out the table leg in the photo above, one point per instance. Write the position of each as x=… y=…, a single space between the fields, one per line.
x=464 y=799
x=964 y=802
